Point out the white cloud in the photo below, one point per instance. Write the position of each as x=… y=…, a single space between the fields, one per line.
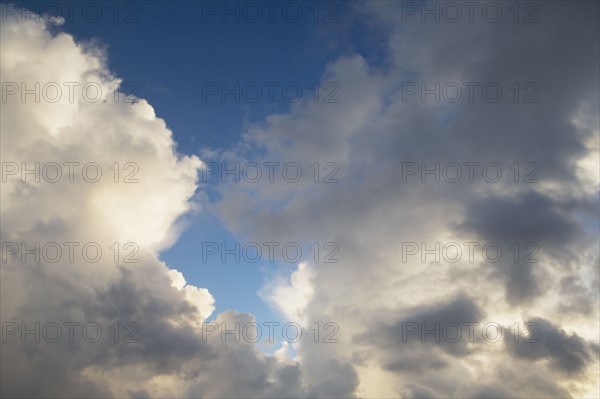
x=170 y=358
x=292 y=298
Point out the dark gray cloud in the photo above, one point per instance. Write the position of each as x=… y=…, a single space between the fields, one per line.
x=458 y=310
x=411 y=342
x=532 y=217
x=531 y=229
x=567 y=353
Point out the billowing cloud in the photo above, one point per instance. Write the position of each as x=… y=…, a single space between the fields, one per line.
x=105 y=317
x=378 y=139
x=541 y=212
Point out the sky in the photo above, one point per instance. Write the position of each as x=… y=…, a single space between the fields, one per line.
x=403 y=196
x=269 y=50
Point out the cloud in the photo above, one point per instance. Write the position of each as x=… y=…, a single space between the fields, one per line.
x=292 y=298
x=133 y=326
x=459 y=310
x=374 y=130
x=569 y=353
x=369 y=134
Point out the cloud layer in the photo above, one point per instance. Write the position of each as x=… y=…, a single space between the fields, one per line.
x=549 y=209
x=375 y=296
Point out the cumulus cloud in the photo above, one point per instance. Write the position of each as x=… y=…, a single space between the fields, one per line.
x=145 y=336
